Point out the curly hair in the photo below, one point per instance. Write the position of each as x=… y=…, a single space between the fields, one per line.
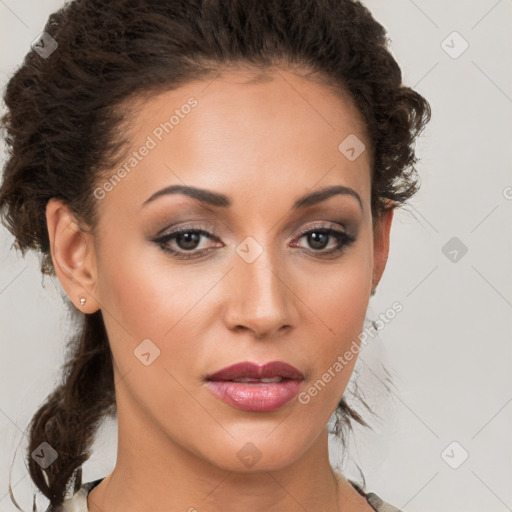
x=63 y=128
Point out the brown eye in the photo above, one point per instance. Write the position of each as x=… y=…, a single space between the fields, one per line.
x=188 y=240
x=185 y=242
x=318 y=238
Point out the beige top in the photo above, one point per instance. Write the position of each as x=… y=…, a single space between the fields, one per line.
x=78 y=502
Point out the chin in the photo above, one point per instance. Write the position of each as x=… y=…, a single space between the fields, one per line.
x=259 y=452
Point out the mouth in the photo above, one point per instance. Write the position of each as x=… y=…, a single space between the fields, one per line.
x=258 y=388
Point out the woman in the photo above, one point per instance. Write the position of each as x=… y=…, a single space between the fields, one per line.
x=213 y=183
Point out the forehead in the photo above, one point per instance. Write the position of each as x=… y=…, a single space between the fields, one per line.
x=244 y=134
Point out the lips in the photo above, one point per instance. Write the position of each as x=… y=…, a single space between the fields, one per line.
x=258 y=388
x=248 y=370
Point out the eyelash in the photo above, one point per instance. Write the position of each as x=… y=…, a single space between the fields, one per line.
x=343 y=240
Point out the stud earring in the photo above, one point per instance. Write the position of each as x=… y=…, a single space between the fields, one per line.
x=82 y=301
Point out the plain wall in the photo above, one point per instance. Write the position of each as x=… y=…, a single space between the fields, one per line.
x=449 y=350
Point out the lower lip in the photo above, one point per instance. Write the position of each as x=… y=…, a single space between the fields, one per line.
x=258 y=397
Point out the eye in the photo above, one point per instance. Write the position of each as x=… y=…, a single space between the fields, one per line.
x=185 y=240
x=318 y=238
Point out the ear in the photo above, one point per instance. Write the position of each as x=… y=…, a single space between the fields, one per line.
x=73 y=255
x=381 y=232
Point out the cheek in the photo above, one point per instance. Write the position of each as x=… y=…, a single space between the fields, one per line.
x=337 y=300
x=337 y=296
x=143 y=294
x=346 y=301
x=146 y=296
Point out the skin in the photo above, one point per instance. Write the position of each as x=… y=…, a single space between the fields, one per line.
x=264 y=144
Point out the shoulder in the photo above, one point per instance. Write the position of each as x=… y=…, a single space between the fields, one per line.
x=375 y=501
x=379 y=504
x=78 y=502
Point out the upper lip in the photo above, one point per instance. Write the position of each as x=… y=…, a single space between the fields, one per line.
x=257 y=371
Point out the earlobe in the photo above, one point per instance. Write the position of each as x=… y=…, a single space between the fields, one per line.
x=381 y=235
x=72 y=255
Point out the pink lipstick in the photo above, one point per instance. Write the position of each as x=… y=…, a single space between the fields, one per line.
x=259 y=388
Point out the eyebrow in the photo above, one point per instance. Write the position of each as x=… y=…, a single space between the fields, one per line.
x=224 y=201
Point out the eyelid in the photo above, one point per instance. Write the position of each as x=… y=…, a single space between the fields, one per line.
x=207 y=225
x=319 y=225
x=191 y=226
x=211 y=228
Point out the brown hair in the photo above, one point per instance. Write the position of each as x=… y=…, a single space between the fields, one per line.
x=62 y=130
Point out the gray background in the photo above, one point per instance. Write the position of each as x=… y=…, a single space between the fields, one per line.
x=449 y=350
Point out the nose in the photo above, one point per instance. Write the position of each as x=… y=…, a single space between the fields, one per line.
x=260 y=300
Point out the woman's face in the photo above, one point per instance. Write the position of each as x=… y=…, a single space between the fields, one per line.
x=264 y=271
